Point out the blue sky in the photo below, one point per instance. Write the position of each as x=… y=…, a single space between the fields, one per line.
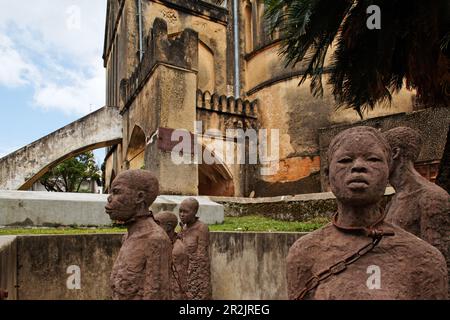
x=51 y=71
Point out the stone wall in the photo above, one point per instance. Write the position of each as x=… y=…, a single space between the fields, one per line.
x=291 y=108
x=244 y=265
x=247 y=266
x=301 y=207
x=20 y=208
x=8 y=265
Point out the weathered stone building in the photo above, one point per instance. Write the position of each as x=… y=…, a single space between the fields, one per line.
x=208 y=68
x=172 y=62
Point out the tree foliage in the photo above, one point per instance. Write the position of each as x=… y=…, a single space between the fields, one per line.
x=70 y=174
x=411 y=49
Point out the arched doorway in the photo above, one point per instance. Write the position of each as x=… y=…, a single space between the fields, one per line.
x=215 y=179
x=136 y=149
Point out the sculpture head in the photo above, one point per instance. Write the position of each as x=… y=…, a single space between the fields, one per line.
x=132 y=192
x=188 y=210
x=359 y=160
x=168 y=221
x=406 y=144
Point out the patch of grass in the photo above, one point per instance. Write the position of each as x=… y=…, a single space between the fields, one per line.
x=259 y=223
x=246 y=223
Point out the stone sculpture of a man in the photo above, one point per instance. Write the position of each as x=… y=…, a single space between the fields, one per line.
x=418 y=206
x=195 y=235
x=142 y=268
x=180 y=259
x=358 y=255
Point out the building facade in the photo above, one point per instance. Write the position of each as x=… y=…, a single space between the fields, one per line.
x=174 y=64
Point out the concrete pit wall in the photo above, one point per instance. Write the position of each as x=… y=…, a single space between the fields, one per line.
x=244 y=265
x=8 y=266
x=250 y=266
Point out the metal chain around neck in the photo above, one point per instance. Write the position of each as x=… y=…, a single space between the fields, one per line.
x=371 y=231
x=146 y=215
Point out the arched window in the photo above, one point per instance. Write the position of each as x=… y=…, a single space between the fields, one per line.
x=206 y=71
x=248 y=16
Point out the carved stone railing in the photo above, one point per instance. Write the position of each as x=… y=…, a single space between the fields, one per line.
x=226 y=105
x=222 y=113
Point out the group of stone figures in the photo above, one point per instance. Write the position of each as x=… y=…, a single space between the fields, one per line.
x=154 y=261
x=366 y=252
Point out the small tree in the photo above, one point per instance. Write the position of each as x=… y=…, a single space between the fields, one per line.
x=69 y=175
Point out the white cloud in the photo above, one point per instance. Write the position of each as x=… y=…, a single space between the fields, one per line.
x=14 y=71
x=55 y=24
x=55 y=46
x=83 y=95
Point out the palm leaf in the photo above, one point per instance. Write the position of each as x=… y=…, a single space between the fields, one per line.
x=368 y=66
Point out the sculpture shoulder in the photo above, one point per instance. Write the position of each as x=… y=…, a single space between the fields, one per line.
x=155 y=234
x=414 y=248
x=308 y=245
x=204 y=227
x=424 y=265
x=435 y=198
x=201 y=227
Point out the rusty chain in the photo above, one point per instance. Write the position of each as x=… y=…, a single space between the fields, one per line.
x=375 y=234
x=176 y=275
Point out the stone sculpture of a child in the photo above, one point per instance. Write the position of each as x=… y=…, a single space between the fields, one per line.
x=180 y=259
x=195 y=236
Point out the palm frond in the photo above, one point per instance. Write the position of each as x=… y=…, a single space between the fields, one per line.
x=368 y=66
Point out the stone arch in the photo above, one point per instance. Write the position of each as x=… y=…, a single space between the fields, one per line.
x=22 y=168
x=215 y=179
x=206 y=68
x=136 y=148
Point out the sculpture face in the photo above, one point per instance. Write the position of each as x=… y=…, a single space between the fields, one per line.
x=187 y=211
x=122 y=201
x=359 y=170
x=168 y=221
x=167 y=226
